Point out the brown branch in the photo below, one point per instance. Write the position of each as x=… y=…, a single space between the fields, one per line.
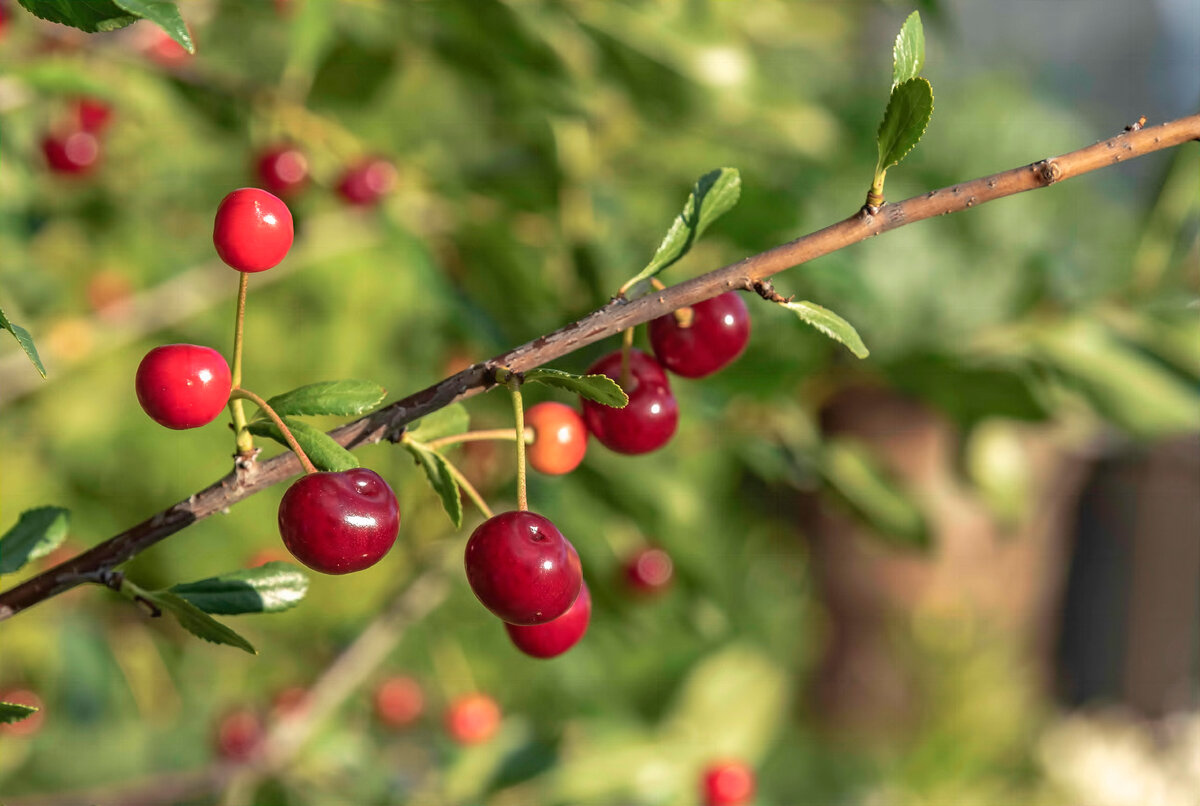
x=614 y=317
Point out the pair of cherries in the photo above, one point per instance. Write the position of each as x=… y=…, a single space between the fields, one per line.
x=73 y=147
x=335 y=522
x=283 y=170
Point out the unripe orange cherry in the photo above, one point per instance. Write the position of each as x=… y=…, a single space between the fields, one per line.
x=473 y=719
x=559 y=438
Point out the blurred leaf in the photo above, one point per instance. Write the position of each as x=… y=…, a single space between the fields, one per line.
x=437 y=470
x=35 y=534
x=829 y=323
x=14 y=712
x=967 y=393
x=713 y=195
x=904 y=122
x=345 y=398
x=856 y=477
x=445 y=422
x=197 y=622
x=997 y=463
x=25 y=340
x=908 y=54
x=64 y=78
x=269 y=588
x=163 y=14
x=320 y=447
x=90 y=15
x=599 y=388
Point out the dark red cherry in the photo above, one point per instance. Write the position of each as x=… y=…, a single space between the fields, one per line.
x=239 y=735
x=183 y=385
x=704 y=338
x=339 y=522
x=252 y=230
x=728 y=783
x=649 y=570
x=92 y=114
x=555 y=637
x=649 y=421
x=72 y=152
x=522 y=568
x=283 y=170
x=367 y=181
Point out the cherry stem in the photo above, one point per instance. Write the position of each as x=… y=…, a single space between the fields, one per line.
x=479 y=436
x=626 y=346
x=468 y=488
x=514 y=386
x=245 y=440
x=240 y=394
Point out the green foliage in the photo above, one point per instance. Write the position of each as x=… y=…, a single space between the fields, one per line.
x=25 y=340
x=445 y=422
x=270 y=588
x=322 y=451
x=437 y=470
x=908 y=54
x=829 y=323
x=108 y=15
x=599 y=388
x=908 y=112
x=35 y=534
x=196 y=621
x=873 y=495
x=11 y=712
x=348 y=398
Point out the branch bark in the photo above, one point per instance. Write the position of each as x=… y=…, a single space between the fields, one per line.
x=617 y=315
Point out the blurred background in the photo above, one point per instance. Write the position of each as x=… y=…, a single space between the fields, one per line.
x=965 y=570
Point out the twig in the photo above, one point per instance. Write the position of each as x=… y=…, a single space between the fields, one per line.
x=612 y=318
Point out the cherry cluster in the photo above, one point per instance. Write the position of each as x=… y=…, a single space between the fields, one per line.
x=73 y=146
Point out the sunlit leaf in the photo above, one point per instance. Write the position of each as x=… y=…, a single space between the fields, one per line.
x=829 y=323
x=908 y=54
x=25 y=340
x=269 y=588
x=600 y=388
x=197 y=622
x=320 y=447
x=35 y=534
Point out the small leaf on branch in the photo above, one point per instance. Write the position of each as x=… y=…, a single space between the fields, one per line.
x=269 y=588
x=35 y=534
x=197 y=622
x=320 y=447
x=904 y=122
x=908 y=54
x=600 y=388
x=437 y=470
x=348 y=398
x=163 y=14
x=25 y=340
x=855 y=476
x=99 y=16
x=713 y=195
x=829 y=323
x=445 y=422
x=11 y=712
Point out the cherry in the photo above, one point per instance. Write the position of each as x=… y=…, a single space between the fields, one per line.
x=473 y=719
x=183 y=385
x=399 y=701
x=649 y=421
x=728 y=783
x=30 y=724
x=522 y=568
x=239 y=735
x=92 y=114
x=649 y=570
x=5 y=14
x=289 y=701
x=165 y=51
x=559 y=438
x=714 y=334
x=555 y=637
x=72 y=152
x=367 y=181
x=109 y=293
x=252 y=230
x=283 y=169
x=339 y=522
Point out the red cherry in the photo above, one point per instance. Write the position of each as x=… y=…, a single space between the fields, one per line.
x=716 y=334
x=283 y=169
x=522 y=568
x=4 y=18
x=649 y=421
x=728 y=783
x=292 y=700
x=399 y=701
x=92 y=114
x=30 y=724
x=339 y=522
x=559 y=438
x=165 y=51
x=649 y=570
x=557 y=636
x=252 y=230
x=75 y=152
x=367 y=182
x=183 y=385
x=239 y=735
x=473 y=719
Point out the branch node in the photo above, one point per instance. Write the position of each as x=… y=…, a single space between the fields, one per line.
x=767 y=291
x=1049 y=171
x=1136 y=125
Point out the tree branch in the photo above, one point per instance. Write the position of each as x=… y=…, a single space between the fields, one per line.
x=617 y=315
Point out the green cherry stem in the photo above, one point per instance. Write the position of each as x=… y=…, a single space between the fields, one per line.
x=239 y=394
x=245 y=440
x=479 y=436
x=626 y=346
x=514 y=386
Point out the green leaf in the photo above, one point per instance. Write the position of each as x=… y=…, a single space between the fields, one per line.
x=967 y=391
x=908 y=54
x=87 y=15
x=445 y=422
x=320 y=447
x=829 y=323
x=347 y=398
x=14 y=712
x=855 y=476
x=163 y=14
x=197 y=622
x=713 y=195
x=269 y=588
x=437 y=470
x=904 y=122
x=36 y=533
x=599 y=388
x=25 y=340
